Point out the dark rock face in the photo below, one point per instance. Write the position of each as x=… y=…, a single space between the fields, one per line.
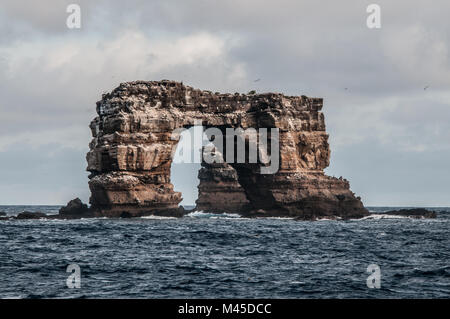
x=31 y=215
x=131 y=154
x=413 y=213
x=75 y=208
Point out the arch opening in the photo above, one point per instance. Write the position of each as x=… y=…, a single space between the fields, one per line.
x=205 y=185
x=184 y=169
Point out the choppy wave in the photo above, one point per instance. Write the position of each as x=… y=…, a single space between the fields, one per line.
x=225 y=256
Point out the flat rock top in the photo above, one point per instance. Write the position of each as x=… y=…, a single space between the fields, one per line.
x=175 y=94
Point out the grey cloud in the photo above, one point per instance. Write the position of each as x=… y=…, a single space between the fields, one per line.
x=50 y=174
x=393 y=178
x=372 y=80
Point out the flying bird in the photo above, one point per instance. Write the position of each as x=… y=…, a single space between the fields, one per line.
x=425 y=88
x=257 y=80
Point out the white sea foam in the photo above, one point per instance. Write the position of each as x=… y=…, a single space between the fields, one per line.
x=157 y=217
x=281 y=218
x=326 y=219
x=201 y=214
x=383 y=216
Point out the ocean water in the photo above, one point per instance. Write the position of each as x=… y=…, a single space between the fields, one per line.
x=224 y=256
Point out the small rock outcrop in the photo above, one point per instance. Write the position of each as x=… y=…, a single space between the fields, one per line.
x=75 y=208
x=131 y=154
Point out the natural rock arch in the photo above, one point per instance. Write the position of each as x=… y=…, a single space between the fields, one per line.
x=131 y=153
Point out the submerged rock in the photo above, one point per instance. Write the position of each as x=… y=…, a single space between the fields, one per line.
x=413 y=213
x=31 y=215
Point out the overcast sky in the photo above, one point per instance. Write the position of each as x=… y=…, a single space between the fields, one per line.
x=389 y=136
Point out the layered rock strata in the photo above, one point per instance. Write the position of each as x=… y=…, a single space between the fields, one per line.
x=133 y=144
x=219 y=190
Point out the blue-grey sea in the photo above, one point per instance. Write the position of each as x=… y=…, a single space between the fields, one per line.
x=224 y=256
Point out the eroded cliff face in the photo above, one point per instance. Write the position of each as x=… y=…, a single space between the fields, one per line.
x=131 y=154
